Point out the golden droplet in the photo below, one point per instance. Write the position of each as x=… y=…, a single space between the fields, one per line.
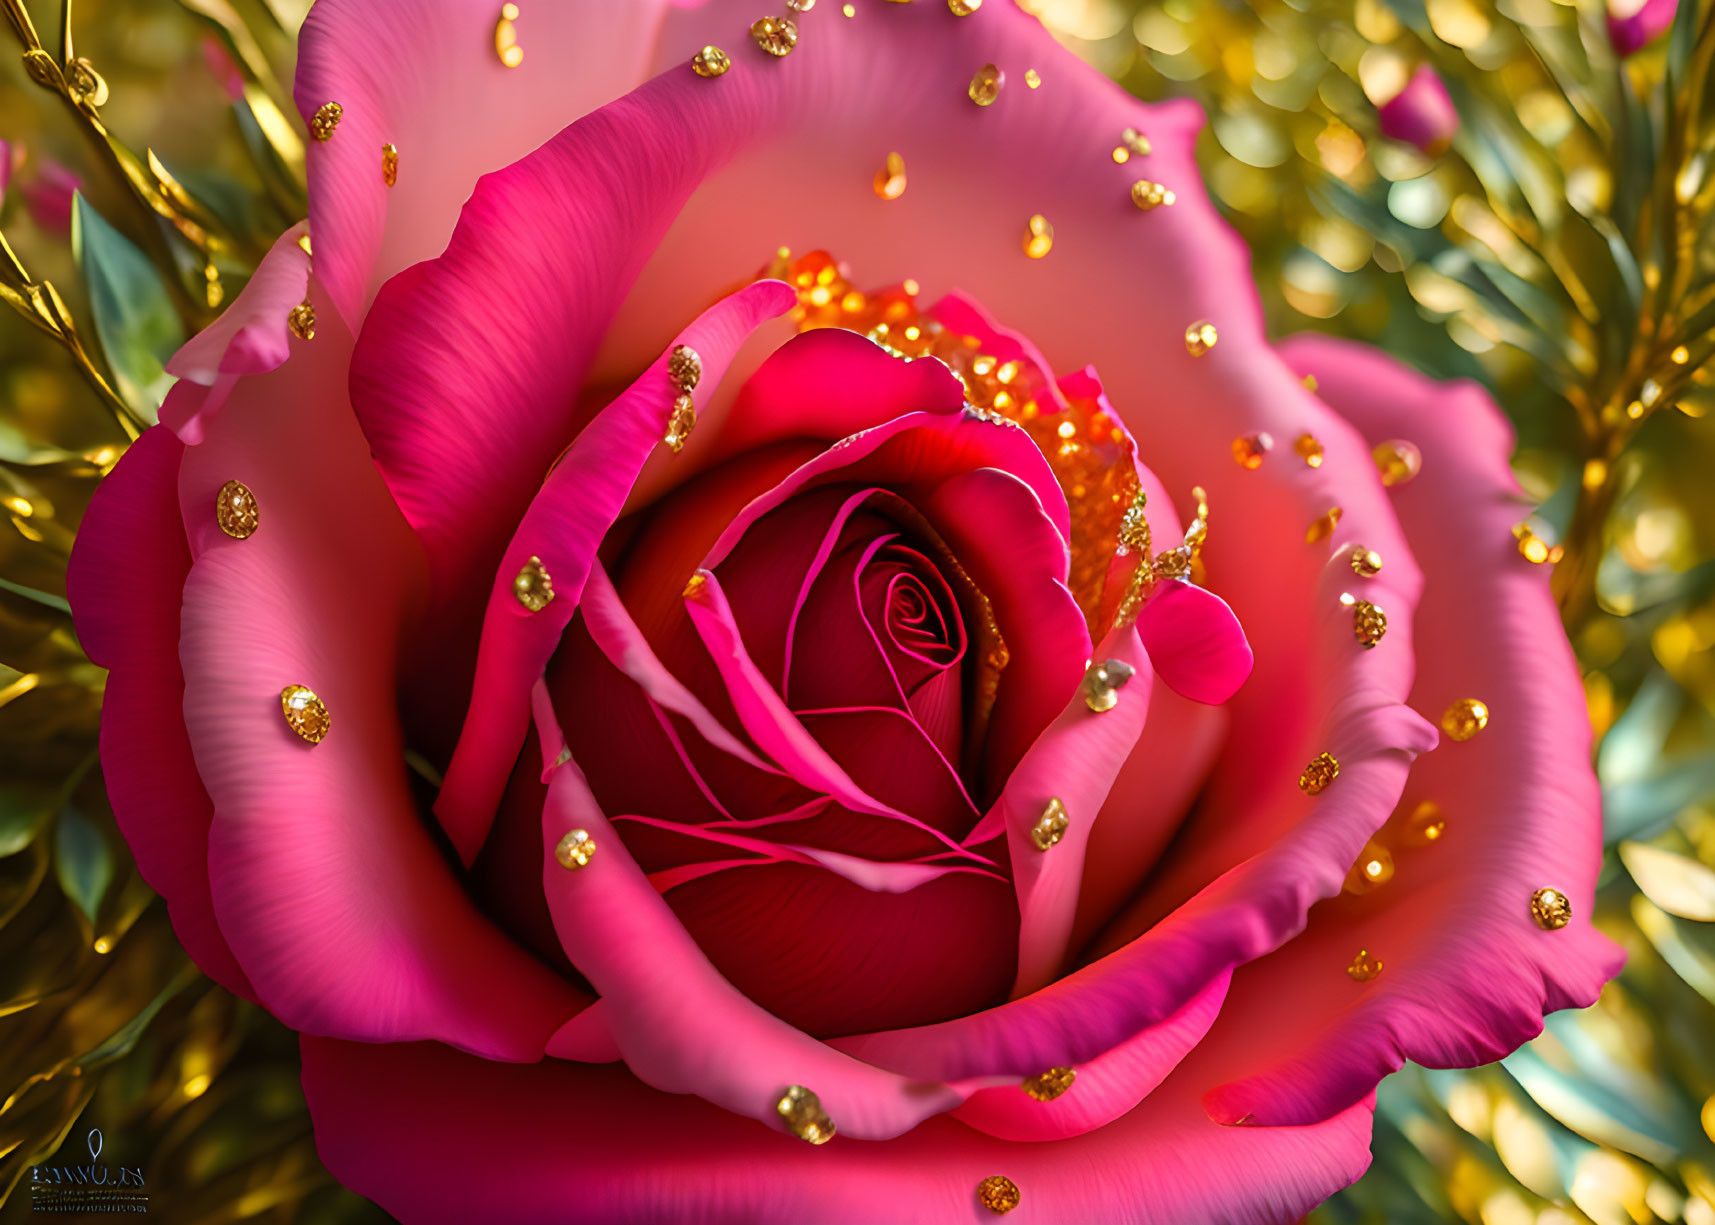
x=804 y=1115
x=1309 y=381
x=1103 y=681
x=236 y=511
x=1135 y=142
x=1121 y=155
x=575 y=850
x=1147 y=195
x=1397 y=461
x=302 y=320
x=1038 y=237
x=1200 y=337
x=1595 y=474
x=775 y=35
x=1373 y=867
x=1323 y=525
x=711 y=61
x=1249 y=450
x=681 y=423
x=533 y=587
x=1050 y=827
x=305 y=713
x=1364 y=967
x=1465 y=718
x=1046 y=1086
x=1534 y=548
x=1369 y=623
x=998 y=1193
x=325 y=120
x=506 y=37
x=985 y=85
x=890 y=179
x=1323 y=769
x=103 y=945
x=1680 y=355
x=1425 y=825
x=1366 y=563
x=1551 y=909
x=964 y=8
x=389 y=164
x=695 y=586
x=849 y=10
x=684 y=368
x=1032 y=78
x=1309 y=449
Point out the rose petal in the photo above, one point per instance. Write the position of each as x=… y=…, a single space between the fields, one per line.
x=1466 y=974
x=1195 y=642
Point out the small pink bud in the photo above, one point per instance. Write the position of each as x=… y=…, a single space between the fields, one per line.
x=1632 y=25
x=1421 y=114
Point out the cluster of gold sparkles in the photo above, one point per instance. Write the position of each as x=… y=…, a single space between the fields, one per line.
x=1372 y=869
x=1534 y=548
x=1464 y=718
x=389 y=164
x=1369 y=622
x=890 y=179
x=1200 y=337
x=711 y=61
x=575 y=850
x=1397 y=461
x=532 y=587
x=1309 y=449
x=1364 y=966
x=306 y=714
x=1046 y=1086
x=1249 y=449
x=325 y=120
x=506 y=46
x=1038 y=236
x=301 y=319
x=1148 y=194
x=684 y=372
x=802 y=1111
x=236 y=511
x=1551 y=909
x=775 y=35
x=1103 y=682
x=998 y=1193
x=985 y=86
x=1323 y=769
x=1051 y=826
x=1366 y=563
x=1323 y=525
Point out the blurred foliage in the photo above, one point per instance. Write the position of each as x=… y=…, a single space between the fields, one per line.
x=1557 y=252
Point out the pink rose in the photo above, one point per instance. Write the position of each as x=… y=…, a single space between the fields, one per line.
x=860 y=766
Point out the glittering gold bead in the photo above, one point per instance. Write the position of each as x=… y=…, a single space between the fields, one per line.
x=1465 y=718
x=302 y=320
x=532 y=586
x=1032 y=78
x=1425 y=825
x=1534 y=548
x=890 y=179
x=1323 y=525
x=1367 y=563
x=1200 y=337
x=800 y=6
x=575 y=850
x=1051 y=826
x=1135 y=142
x=1551 y=909
x=1147 y=195
x=1680 y=355
x=998 y=1193
x=1309 y=449
x=1103 y=681
x=325 y=120
x=1364 y=967
x=1046 y=1086
x=985 y=85
x=389 y=164
x=775 y=35
x=1323 y=769
x=711 y=61
x=964 y=8
x=1397 y=461
x=681 y=423
x=1374 y=866
x=506 y=37
x=236 y=511
x=305 y=713
x=1038 y=237
x=1249 y=450
x=1369 y=623
x=804 y=1115
x=684 y=367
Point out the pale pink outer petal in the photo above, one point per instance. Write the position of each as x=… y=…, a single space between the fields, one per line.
x=1467 y=975
x=680 y=1026
x=1106 y=1087
x=564 y=524
x=124 y=581
x=337 y=905
x=251 y=336
x=425 y=76
x=434 y=1136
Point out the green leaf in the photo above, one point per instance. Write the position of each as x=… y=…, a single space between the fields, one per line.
x=83 y=861
x=23 y=809
x=134 y=316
